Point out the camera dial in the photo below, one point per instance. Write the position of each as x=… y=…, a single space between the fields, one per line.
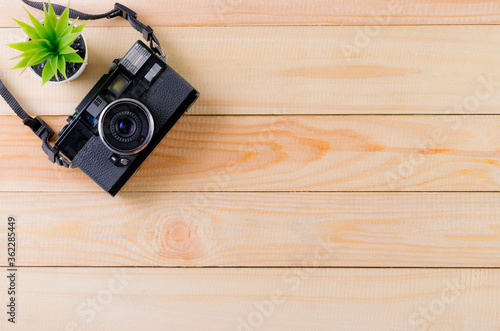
x=126 y=126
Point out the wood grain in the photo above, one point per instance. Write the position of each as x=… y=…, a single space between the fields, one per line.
x=297 y=70
x=296 y=12
x=231 y=212
x=285 y=153
x=220 y=299
x=255 y=229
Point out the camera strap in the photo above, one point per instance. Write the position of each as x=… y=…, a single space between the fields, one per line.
x=36 y=124
x=119 y=11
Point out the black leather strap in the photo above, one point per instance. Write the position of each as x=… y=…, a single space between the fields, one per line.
x=74 y=14
x=119 y=10
x=38 y=126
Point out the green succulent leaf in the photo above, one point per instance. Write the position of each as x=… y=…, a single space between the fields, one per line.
x=29 y=45
x=28 y=29
x=53 y=63
x=62 y=23
x=52 y=14
x=40 y=29
x=67 y=50
x=79 y=28
x=67 y=41
x=47 y=73
x=50 y=42
x=27 y=54
x=23 y=63
x=67 y=30
x=50 y=20
x=74 y=58
x=61 y=65
x=38 y=58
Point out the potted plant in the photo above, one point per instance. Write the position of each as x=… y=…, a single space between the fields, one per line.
x=54 y=49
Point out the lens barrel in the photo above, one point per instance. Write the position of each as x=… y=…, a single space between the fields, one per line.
x=126 y=126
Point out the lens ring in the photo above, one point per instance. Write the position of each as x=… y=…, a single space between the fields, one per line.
x=139 y=139
x=135 y=122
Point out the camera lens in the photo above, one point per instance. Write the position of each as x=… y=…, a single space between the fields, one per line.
x=126 y=126
x=125 y=123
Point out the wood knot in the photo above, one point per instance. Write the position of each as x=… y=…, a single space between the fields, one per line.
x=178 y=235
x=181 y=237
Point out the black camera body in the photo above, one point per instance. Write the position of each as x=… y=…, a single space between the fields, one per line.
x=124 y=117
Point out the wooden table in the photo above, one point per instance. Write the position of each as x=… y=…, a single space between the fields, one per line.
x=339 y=172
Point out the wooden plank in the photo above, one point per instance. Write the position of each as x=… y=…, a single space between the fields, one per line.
x=255 y=229
x=285 y=153
x=267 y=299
x=322 y=12
x=298 y=70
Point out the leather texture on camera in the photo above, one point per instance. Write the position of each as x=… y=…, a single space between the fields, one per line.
x=163 y=99
x=167 y=93
x=93 y=160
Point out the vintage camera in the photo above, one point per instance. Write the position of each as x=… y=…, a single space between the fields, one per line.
x=124 y=117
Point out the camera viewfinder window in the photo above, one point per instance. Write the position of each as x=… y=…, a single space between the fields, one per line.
x=118 y=85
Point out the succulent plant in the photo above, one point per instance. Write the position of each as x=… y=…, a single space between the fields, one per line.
x=51 y=42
